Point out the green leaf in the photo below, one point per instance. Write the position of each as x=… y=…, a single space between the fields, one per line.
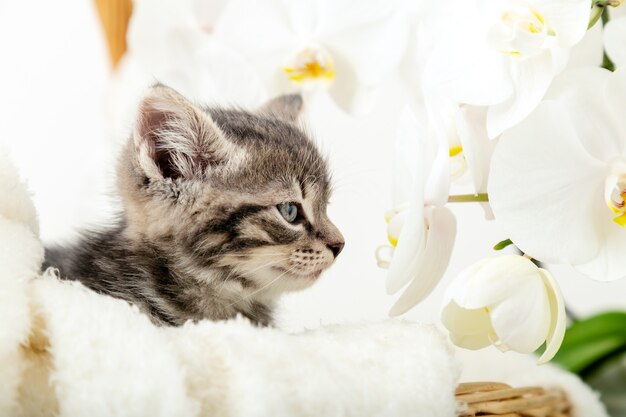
x=609 y=379
x=503 y=244
x=589 y=341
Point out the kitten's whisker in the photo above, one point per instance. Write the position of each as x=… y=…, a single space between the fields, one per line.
x=224 y=252
x=263 y=287
x=232 y=272
x=266 y=265
x=243 y=255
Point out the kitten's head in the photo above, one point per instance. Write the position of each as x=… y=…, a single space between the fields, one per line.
x=243 y=194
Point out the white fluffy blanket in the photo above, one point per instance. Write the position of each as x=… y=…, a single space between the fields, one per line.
x=67 y=351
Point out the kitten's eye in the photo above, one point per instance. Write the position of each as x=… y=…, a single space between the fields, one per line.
x=289 y=211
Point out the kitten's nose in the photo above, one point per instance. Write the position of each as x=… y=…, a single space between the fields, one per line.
x=336 y=248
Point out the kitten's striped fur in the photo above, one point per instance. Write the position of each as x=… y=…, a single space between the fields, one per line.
x=200 y=235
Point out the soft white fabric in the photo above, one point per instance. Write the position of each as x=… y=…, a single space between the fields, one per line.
x=67 y=351
x=106 y=358
x=15 y=202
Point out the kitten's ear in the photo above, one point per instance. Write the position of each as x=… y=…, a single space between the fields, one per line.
x=286 y=107
x=174 y=139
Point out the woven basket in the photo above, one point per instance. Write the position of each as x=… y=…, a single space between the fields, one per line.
x=497 y=399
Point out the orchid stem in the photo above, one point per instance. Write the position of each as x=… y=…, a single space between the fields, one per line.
x=606 y=61
x=596 y=13
x=469 y=198
x=597 y=10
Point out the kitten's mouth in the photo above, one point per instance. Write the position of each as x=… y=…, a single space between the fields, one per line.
x=312 y=276
x=316 y=274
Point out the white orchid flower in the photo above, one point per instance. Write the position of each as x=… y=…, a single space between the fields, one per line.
x=169 y=41
x=421 y=231
x=558 y=180
x=504 y=53
x=320 y=45
x=506 y=301
x=463 y=128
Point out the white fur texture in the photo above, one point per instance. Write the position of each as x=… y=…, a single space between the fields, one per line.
x=15 y=202
x=21 y=255
x=67 y=351
x=106 y=359
x=386 y=369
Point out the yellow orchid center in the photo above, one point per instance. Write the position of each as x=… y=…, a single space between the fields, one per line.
x=393 y=230
x=520 y=22
x=395 y=221
x=616 y=198
x=392 y=239
x=455 y=150
x=458 y=162
x=310 y=64
x=528 y=20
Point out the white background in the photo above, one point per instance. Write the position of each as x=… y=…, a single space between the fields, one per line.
x=54 y=80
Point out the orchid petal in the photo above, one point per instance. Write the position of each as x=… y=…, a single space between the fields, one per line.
x=345 y=90
x=469 y=329
x=615 y=91
x=435 y=259
x=228 y=77
x=614 y=35
x=304 y=17
x=384 y=41
x=474 y=74
x=409 y=250
x=542 y=188
x=558 y=319
x=396 y=224
x=568 y=19
x=341 y=16
x=172 y=26
x=268 y=39
x=457 y=287
x=595 y=105
x=438 y=182
x=522 y=320
x=588 y=52
x=610 y=263
x=476 y=145
x=532 y=78
x=560 y=59
x=492 y=281
x=269 y=15
x=410 y=246
x=208 y=12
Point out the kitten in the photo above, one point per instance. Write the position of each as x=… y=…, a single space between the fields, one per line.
x=224 y=210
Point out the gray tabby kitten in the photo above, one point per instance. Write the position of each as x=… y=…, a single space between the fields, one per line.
x=224 y=210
